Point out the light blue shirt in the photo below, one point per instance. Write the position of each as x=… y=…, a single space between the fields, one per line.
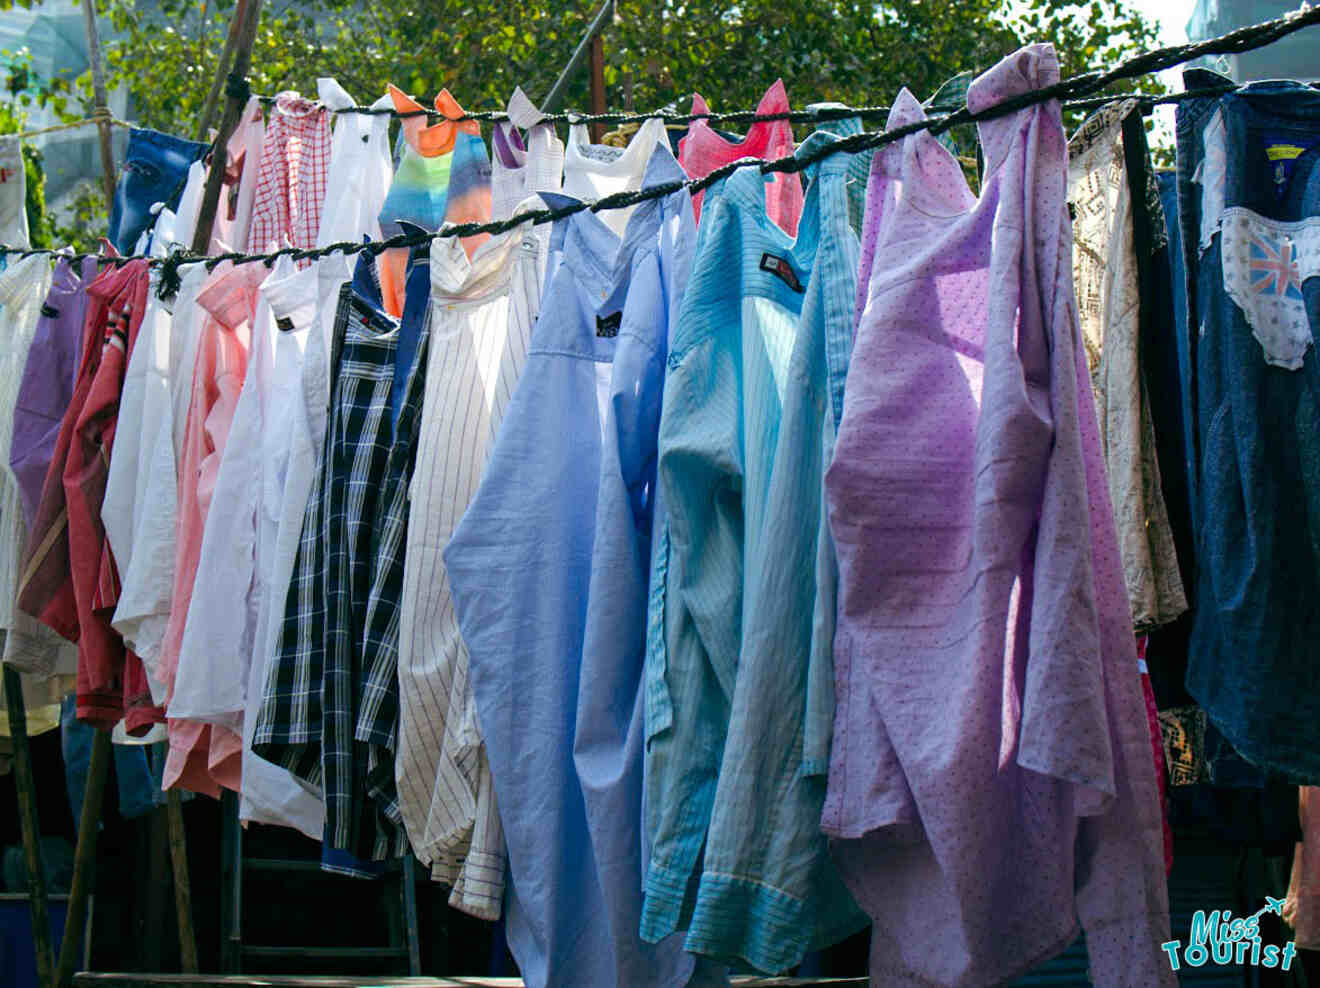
x=549 y=568
x=739 y=679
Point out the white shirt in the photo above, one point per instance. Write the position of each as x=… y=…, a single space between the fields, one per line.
x=593 y=171
x=482 y=312
x=146 y=570
x=360 y=169
x=539 y=167
x=13 y=194
x=308 y=300
x=216 y=656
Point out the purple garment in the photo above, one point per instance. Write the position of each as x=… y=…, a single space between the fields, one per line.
x=48 y=375
x=990 y=780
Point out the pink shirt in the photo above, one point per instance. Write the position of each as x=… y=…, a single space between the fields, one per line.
x=202 y=756
x=702 y=150
x=991 y=784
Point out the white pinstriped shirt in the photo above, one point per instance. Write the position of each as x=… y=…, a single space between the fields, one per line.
x=483 y=310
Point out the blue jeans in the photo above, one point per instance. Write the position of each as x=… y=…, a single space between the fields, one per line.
x=154 y=170
x=138 y=791
x=1256 y=405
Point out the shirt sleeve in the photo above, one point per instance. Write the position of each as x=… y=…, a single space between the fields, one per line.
x=701 y=474
x=218 y=638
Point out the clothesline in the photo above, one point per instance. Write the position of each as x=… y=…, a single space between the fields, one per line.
x=822 y=114
x=1081 y=87
x=94 y=119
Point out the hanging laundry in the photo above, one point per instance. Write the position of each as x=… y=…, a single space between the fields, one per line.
x=1165 y=352
x=154 y=170
x=378 y=716
x=321 y=687
x=271 y=794
x=70 y=581
x=1105 y=267
x=204 y=757
x=360 y=170
x=41 y=401
x=758 y=354
x=703 y=150
x=143 y=400
x=217 y=653
x=24 y=285
x=560 y=523
x=991 y=778
x=859 y=164
x=315 y=307
x=291 y=175
x=147 y=576
x=522 y=167
x=1248 y=160
x=48 y=378
x=232 y=227
x=442 y=175
x=482 y=311
x=593 y=171
x=482 y=307
x=13 y=193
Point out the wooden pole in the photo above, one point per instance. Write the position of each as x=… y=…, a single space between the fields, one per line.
x=235 y=101
x=102 y=113
x=84 y=859
x=207 y=119
x=27 y=817
x=182 y=883
x=556 y=94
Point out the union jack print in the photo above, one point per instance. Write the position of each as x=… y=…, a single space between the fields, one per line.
x=1274 y=266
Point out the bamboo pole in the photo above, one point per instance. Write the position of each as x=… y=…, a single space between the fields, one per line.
x=235 y=101
x=84 y=859
x=212 y=103
x=27 y=817
x=556 y=94
x=182 y=882
x=102 y=112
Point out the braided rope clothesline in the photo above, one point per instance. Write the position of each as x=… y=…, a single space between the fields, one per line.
x=96 y=118
x=1080 y=88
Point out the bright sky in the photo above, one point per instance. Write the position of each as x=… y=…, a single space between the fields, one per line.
x=1170 y=15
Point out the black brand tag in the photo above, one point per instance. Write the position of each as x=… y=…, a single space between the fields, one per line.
x=608 y=326
x=284 y=324
x=779 y=266
x=50 y=312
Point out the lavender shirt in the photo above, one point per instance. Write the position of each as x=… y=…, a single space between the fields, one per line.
x=48 y=375
x=990 y=779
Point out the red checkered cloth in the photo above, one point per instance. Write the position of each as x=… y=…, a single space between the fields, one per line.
x=291 y=177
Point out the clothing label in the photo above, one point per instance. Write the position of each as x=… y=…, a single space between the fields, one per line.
x=600 y=152
x=779 y=266
x=608 y=326
x=284 y=324
x=1283 y=150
